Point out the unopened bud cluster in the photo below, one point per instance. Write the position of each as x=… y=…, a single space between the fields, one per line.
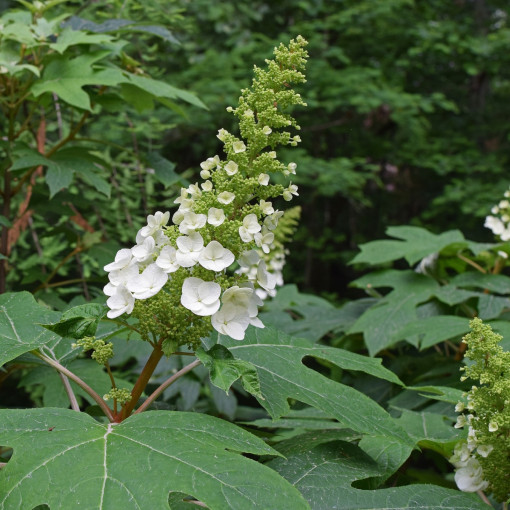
x=121 y=395
x=101 y=351
x=483 y=460
x=228 y=217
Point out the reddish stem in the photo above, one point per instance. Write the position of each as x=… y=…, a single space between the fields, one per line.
x=141 y=382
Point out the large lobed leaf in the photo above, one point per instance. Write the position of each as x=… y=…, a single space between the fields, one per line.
x=325 y=475
x=63 y=166
x=278 y=359
x=415 y=243
x=20 y=332
x=435 y=329
x=308 y=316
x=67 y=460
x=66 y=77
x=381 y=324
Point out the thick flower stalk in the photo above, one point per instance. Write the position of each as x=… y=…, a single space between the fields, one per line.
x=483 y=460
x=177 y=279
x=500 y=222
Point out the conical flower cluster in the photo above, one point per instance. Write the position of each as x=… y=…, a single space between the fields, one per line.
x=187 y=260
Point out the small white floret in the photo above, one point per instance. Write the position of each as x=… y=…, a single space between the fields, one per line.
x=215 y=257
x=215 y=217
x=120 y=302
x=148 y=283
x=167 y=259
x=225 y=197
x=231 y=168
x=189 y=248
x=202 y=298
x=123 y=258
x=239 y=147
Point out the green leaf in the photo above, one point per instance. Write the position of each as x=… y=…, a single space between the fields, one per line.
x=156 y=30
x=78 y=160
x=224 y=370
x=431 y=431
x=162 y=89
x=315 y=316
x=493 y=282
x=69 y=37
x=5 y=222
x=68 y=460
x=62 y=167
x=140 y=99
x=433 y=330
x=503 y=328
x=387 y=452
x=110 y=25
x=95 y=180
x=306 y=419
x=25 y=157
x=381 y=323
x=278 y=359
x=9 y=61
x=19 y=32
x=442 y=393
x=58 y=177
x=325 y=475
x=451 y=295
x=416 y=244
x=120 y=25
x=19 y=328
x=305 y=442
x=78 y=322
x=163 y=169
x=66 y=77
x=491 y=306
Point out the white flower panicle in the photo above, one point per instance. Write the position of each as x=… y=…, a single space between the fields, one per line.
x=500 y=224
x=220 y=221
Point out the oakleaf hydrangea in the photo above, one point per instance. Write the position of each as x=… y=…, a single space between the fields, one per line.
x=179 y=278
x=482 y=461
x=499 y=221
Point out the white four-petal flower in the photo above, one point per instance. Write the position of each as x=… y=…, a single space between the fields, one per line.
x=215 y=217
x=231 y=168
x=122 y=259
x=249 y=227
x=225 y=197
x=120 y=302
x=189 y=250
x=148 y=283
x=202 y=298
x=192 y=221
x=265 y=279
x=155 y=222
x=215 y=257
x=167 y=259
x=231 y=321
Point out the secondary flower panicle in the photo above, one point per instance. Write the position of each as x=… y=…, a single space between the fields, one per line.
x=178 y=279
x=482 y=460
x=500 y=222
